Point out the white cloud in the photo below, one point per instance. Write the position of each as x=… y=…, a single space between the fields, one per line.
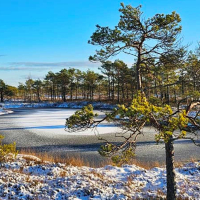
x=57 y=64
x=43 y=66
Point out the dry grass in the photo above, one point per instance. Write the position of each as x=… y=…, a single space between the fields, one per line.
x=147 y=165
x=63 y=174
x=74 y=160
x=79 y=161
x=69 y=160
x=150 y=165
x=99 y=175
x=179 y=164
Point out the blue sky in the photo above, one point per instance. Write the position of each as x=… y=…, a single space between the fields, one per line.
x=37 y=36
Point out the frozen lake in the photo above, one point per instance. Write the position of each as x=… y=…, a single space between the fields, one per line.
x=51 y=123
x=42 y=130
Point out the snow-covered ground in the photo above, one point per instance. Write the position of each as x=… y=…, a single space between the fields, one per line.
x=28 y=178
x=5 y=111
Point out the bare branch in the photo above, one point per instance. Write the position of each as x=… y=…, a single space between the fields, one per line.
x=191 y=106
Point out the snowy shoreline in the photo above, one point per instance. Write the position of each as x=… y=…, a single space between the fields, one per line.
x=75 y=104
x=5 y=108
x=28 y=178
x=5 y=111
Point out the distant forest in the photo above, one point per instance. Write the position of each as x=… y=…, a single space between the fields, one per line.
x=163 y=80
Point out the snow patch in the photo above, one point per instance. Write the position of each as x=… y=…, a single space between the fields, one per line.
x=3 y=111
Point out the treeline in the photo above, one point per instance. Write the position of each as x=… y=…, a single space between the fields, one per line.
x=168 y=81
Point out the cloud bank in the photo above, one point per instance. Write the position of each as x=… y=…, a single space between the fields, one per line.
x=20 y=66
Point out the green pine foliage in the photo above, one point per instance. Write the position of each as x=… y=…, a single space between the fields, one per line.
x=168 y=124
x=81 y=119
x=7 y=151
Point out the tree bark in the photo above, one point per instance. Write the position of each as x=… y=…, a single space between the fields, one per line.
x=182 y=87
x=113 y=87
x=71 y=93
x=76 y=90
x=127 y=96
x=194 y=83
x=171 y=183
x=155 y=85
x=175 y=99
x=51 y=91
x=118 y=88
x=1 y=96
x=138 y=73
x=64 y=94
x=109 y=89
x=38 y=96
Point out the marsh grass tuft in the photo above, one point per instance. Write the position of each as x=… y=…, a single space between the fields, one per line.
x=73 y=160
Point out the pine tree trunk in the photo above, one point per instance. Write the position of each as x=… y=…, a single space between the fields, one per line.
x=64 y=94
x=194 y=83
x=24 y=96
x=109 y=89
x=118 y=89
x=1 y=96
x=138 y=73
x=155 y=85
x=171 y=183
x=92 y=92
x=71 y=94
x=76 y=91
x=138 y=77
x=113 y=88
x=182 y=87
x=99 y=93
x=127 y=91
x=167 y=95
x=53 y=92
x=123 y=94
x=132 y=88
x=175 y=98
x=38 y=96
